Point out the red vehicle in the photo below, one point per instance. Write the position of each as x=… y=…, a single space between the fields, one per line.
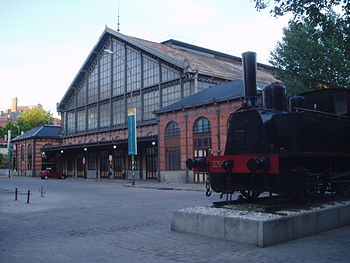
x=52 y=174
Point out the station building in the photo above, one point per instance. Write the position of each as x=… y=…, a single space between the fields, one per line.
x=183 y=95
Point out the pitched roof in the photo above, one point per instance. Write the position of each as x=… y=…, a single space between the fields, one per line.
x=218 y=93
x=45 y=131
x=189 y=58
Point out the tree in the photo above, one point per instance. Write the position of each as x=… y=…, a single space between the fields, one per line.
x=310 y=57
x=315 y=11
x=15 y=129
x=34 y=117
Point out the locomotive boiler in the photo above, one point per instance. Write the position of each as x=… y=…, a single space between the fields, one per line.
x=303 y=148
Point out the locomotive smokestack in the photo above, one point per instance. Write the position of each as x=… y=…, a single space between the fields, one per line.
x=249 y=78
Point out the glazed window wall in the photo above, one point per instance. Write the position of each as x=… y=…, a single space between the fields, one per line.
x=135 y=102
x=92 y=118
x=118 y=112
x=105 y=76
x=169 y=74
x=81 y=120
x=81 y=100
x=171 y=94
x=71 y=122
x=104 y=115
x=187 y=89
x=134 y=70
x=150 y=72
x=92 y=85
x=118 y=68
x=203 y=85
x=151 y=103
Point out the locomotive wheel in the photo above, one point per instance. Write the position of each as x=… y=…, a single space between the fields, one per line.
x=250 y=194
x=343 y=189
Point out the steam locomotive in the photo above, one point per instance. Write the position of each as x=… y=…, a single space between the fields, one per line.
x=302 y=150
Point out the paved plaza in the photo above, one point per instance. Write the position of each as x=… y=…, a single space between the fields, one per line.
x=112 y=221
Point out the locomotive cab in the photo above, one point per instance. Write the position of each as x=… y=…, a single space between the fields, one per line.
x=333 y=101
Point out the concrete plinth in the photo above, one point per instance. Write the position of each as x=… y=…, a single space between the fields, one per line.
x=260 y=229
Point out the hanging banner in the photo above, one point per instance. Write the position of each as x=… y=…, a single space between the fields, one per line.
x=132 y=140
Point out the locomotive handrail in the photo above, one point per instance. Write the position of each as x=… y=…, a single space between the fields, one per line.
x=320 y=112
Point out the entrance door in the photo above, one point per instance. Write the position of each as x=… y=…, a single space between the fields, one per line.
x=70 y=166
x=80 y=166
x=151 y=163
x=104 y=164
x=119 y=164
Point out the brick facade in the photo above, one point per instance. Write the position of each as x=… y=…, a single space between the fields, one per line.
x=22 y=149
x=218 y=115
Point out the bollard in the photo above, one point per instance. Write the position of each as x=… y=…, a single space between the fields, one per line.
x=42 y=191
x=28 y=196
x=16 y=194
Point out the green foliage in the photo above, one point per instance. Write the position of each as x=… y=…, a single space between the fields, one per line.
x=315 y=11
x=34 y=117
x=312 y=57
x=10 y=126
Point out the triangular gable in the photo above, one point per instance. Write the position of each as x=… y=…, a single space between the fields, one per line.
x=146 y=46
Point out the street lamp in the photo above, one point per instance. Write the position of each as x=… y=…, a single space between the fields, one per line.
x=132 y=133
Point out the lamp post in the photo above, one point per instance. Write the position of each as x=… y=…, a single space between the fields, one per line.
x=9 y=151
x=132 y=133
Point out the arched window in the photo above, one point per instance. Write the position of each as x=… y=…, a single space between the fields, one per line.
x=202 y=125
x=172 y=130
x=172 y=146
x=202 y=133
x=201 y=144
x=30 y=156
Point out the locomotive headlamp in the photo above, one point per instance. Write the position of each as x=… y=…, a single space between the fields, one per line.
x=258 y=164
x=228 y=164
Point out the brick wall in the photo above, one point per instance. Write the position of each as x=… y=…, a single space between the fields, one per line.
x=217 y=114
x=22 y=159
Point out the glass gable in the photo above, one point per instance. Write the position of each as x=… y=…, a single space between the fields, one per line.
x=118 y=68
x=118 y=112
x=92 y=118
x=92 y=85
x=71 y=122
x=169 y=74
x=171 y=95
x=104 y=115
x=150 y=72
x=81 y=118
x=133 y=70
x=151 y=103
x=105 y=76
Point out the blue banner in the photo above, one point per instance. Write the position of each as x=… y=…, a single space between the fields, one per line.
x=132 y=140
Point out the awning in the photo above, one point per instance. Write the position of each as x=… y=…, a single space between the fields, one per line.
x=99 y=145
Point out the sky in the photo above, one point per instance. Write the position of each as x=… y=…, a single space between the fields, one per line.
x=43 y=43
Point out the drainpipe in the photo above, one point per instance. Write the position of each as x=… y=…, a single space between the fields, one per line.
x=187 y=179
x=33 y=159
x=158 y=153
x=219 y=129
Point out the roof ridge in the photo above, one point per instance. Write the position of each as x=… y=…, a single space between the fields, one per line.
x=40 y=128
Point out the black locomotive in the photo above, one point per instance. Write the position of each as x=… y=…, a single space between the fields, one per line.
x=304 y=149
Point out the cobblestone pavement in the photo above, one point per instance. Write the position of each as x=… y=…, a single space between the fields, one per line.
x=106 y=221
